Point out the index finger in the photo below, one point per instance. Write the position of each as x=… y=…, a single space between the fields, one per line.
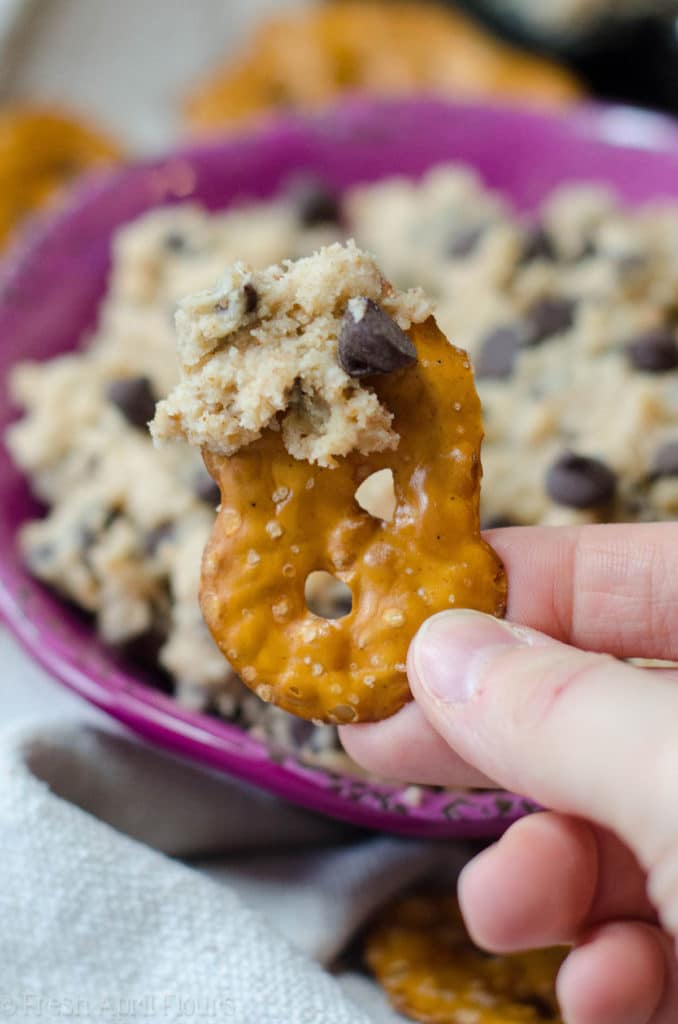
x=611 y=588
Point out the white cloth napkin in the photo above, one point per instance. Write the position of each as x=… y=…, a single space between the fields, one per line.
x=136 y=887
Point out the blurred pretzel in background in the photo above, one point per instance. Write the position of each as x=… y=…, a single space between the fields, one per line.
x=304 y=60
x=421 y=954
x=42 y=151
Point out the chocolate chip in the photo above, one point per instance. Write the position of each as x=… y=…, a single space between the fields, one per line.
x=86 y=537
x=549 y=316
x=465 y=242
x=589 y=248
x=543 y=1008
x=206 y=489
x=665 y=461
x=498 y=352
x=89 y=533
x=134 y=397
x=537 y=245
x=301 y=732
x=373 y=344
x=314 y=201
x=175 y=242
x=498 y=522
x=42 y=554
x=251 y=297
x=145 y=648
x=155 y=537
x=579 y=481
x=629 y=264
x=654 y=351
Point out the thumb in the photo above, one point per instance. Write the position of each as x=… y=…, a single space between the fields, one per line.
x=580 y=733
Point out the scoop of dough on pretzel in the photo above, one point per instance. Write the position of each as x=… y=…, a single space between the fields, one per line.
x=304 y=384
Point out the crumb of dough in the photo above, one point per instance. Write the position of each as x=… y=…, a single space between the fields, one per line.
x=260 y=351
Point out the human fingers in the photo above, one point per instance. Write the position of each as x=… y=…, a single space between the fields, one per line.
x=611 y=588
x=579 y=732
x=546 y=881
x=624 y=972
x=407 y=748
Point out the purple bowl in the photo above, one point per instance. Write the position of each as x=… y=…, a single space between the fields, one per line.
x=50 y=288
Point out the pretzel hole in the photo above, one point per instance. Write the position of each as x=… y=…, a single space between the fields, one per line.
x=326 y=596
x=376 y=495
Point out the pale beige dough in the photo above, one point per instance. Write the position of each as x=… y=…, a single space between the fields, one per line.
x=125 y=523
x=275 y=365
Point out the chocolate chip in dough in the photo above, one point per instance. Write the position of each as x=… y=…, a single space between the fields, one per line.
x=654 y=351
x=542 y=1007
x=579 y=481
x=665 y=461
x=176 y=242
x=206 y=489
x=537 y=245
x=301 y=732
x=144 y=651
x=549 y=316
x=372 y=343
x=631 y=263
x=157 y=536
x=498 y=352
x=588 y=250
x=251 y=297
x=41 y=555
x=315 y=203
x=134 y=397
x=94 y=527
x=465 y=242
x=498 y=522
x=86 y=537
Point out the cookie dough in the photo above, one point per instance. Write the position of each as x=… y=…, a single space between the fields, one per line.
x=271 y=348
x=570 y=317
x=562 y=313
x=125 y=524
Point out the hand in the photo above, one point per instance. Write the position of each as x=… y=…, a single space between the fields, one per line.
x=591 y=738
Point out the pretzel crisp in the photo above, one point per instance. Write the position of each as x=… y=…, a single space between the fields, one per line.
x=304 y=58
x=421 y=954
x=282 y=518
x=41 y=151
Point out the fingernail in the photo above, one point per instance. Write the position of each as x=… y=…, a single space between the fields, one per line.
x=451 y=648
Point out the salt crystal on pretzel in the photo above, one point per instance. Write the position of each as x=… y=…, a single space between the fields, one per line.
x=300 y=383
